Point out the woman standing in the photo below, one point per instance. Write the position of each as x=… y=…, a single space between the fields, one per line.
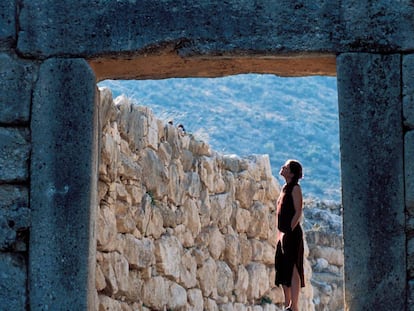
x=289 y=251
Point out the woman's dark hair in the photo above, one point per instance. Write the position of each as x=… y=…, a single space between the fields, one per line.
x=296 y=169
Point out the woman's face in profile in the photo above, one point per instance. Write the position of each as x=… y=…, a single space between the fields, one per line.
x=285 y=170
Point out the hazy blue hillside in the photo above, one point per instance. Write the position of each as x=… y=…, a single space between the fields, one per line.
x=255 y=114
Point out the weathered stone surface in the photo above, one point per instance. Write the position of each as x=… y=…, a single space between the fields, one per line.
x=168 y=252
x=376 y=26
x=14 y=154
x=8 y=24
x=409 y=172
x=195 y=300
x=14 y=217
x=258 y=280
x=207 y=277
x=408 y=90
x=139 y=252
x=13 y=281
x=16 y=87
x=372 y=170
x=225 y=282
x=63 y=186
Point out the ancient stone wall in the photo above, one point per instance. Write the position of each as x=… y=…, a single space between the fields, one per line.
x=180 y=226
x=15 y=96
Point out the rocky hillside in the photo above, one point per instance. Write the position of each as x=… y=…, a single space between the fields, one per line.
x=255 y=114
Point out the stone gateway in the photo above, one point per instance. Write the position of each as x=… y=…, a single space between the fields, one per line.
x=52 y=54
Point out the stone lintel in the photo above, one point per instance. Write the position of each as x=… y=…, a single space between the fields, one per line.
x=63 y=187
x=372 y=171
x=408 y=90
x=92 y=28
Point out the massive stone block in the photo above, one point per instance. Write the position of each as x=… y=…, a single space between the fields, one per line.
x=63 y=187
x=371 y=136
x=408 y=90
x=15 y=89
x=7 y=23
x=377 y=26
x=14 y=154
x=209 y=27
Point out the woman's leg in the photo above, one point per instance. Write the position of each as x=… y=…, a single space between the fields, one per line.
x=286 y=292
x=294 y=290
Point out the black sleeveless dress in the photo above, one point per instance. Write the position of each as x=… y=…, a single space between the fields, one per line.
x=292 y=253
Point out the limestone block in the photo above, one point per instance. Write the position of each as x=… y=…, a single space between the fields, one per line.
x=106 y=232
x=8 y=22
x=107 y=110
x=110 y=155
x=188 y=273
x=259 y=224
x=332 y=255
x=100 y=282
x=13 y=281
x=115 y=268
x=245 y=189
x=176 y=178
x=177 y=297
x=221 y=209
x=128 y=168
x=409 y=172
x=154 y=293
x=136 y=192
x=257 y=250
x=168 y=253
x=225 y=283
x=16 y=84
x=242 y=220
x=174 y=141
x=241 y=284
x=195 y=300
x=187 y=160
x=106 y=303
x=124 y=214
x=184 y=235
x=207 y=168
x=199 y=148
x=155 y=226
x=207 y=277
x=154 y=174
x=136 y=281
x=232 y=252
x=258 y=280
x=139 y=252
x=239 y=307
x=216 y=242
x=137 y=125
x=210 y=305
x=245 y=249
x=14 y=154
x=231 y=163
x=191 y=218
x=259 y=167
x=192 y=184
